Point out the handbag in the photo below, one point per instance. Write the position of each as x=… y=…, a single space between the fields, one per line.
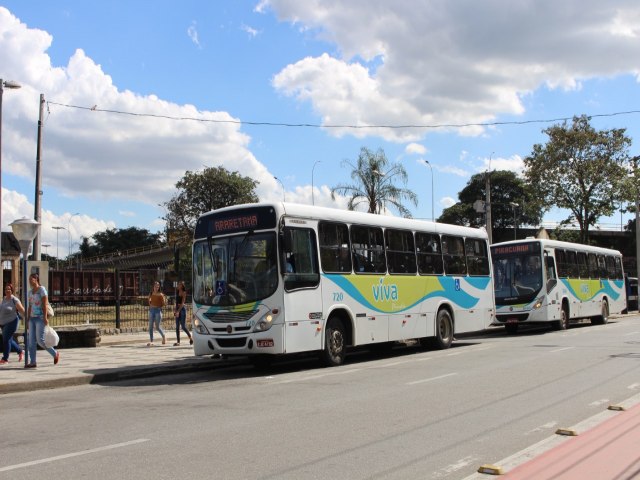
x=51 y=337
x=50 y=312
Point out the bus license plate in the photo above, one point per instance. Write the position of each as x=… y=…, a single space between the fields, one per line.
x=512 y=320
x=267 y=342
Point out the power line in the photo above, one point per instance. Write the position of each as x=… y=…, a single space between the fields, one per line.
x=354 y=127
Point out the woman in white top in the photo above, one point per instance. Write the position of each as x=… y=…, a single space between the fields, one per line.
x=9 y=320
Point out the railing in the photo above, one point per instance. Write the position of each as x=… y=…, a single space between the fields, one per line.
x=134 y=314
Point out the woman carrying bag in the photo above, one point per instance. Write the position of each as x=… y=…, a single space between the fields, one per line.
x=9 y=320
x=37 y=315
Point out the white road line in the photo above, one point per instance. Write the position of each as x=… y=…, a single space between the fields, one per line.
x=546 y=426
x=633 y=386
x=597 y=403
x=630 y=333
x=70 y=455
x=315 y=377
x=561 y=349
x=431 y=379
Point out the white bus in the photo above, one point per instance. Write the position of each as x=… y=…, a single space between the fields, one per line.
x=280 y=278
x=548 y=281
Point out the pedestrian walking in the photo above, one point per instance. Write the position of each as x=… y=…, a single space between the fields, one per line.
x=10 y=308
x=180 y=313
x=157 y=300
x=37 y=315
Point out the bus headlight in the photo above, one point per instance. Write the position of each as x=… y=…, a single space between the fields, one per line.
x=538 y=303
x=264 y=323
x=199 y=327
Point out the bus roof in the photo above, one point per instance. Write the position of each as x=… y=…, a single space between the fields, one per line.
x=359 y=218
x=560 y=244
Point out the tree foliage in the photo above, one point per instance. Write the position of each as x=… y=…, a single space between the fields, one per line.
x=374 y=184
x=507 y=190
x=200 y=192
x=581 y=170
x=118 y=240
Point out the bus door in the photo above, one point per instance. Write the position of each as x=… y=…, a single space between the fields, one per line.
x=304 y=323
x=552 y=288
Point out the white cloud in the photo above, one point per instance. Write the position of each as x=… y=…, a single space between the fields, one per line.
x=444 y=62
x=251 y=31
x=446 y=202
x=415 y=148
x=192 y=31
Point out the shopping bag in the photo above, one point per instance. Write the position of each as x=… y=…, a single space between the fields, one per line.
x=51 y=337
x=50 y=312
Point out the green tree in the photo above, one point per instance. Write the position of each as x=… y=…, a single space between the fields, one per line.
x=374 y=184
x=580 y=169
x=511 y=199
x=114 y=240
x=200 y=192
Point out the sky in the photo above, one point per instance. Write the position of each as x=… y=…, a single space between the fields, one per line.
x=284 y=91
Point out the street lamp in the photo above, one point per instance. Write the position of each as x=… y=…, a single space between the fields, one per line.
x=282 y=185
x=46 y=248
x=433 y=218
x=69 y=233
x=514 y=205
x=11 y=85
x=314 y=167
x=57 y=229
x=25 y=230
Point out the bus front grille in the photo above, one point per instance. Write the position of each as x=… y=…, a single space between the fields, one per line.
x=228 y=317
x=236 y=342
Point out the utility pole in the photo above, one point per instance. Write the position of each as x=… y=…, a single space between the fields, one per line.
x=487 y=201
x=38 y=202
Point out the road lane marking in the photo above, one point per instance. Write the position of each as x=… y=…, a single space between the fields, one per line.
x=541 y=428
x=561 y=349
x=630 y=333
x=633 y=386
x=425 y=380
x=71 y=455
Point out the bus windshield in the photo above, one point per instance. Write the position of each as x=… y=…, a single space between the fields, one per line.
x=235 y=270
x=518 y=277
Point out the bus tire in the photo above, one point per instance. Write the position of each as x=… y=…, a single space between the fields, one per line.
x=511 y=328
x=335 y=346
x=563 y=323
x=444 y=330
x=603 y=318
x=261 y=361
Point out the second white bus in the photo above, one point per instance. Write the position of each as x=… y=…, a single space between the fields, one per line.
x=548 y=281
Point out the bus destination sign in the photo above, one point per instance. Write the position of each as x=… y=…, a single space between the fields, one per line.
x=516 y=249
x=256 y=218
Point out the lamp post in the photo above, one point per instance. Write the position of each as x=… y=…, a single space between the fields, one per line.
x=282 y=185
x=69 y=233
x=25 y=230
x=46 y=248
x=433 y=218
x=11 y=85
x=314 y=167
x=57 y=229
x=514 y=205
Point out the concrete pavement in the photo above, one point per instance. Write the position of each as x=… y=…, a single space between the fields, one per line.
x=119 y=357
x=604 y=447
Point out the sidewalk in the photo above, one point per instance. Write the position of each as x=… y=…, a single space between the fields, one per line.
x=603 y=447
x=118 y=357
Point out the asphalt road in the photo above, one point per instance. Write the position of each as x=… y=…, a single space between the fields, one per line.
x=408 y=414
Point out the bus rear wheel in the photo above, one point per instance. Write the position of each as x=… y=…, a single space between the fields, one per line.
x=444 y=332
x=604 y=315
x=335 y=347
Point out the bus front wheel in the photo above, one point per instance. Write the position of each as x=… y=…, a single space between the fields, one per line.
x=334 y=343
x=563 y=323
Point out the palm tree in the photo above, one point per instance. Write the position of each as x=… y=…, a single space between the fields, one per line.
x=374 y=178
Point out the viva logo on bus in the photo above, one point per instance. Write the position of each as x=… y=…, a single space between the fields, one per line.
x=385 y=293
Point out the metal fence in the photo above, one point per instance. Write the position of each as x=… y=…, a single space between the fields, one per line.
x=130 y=315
